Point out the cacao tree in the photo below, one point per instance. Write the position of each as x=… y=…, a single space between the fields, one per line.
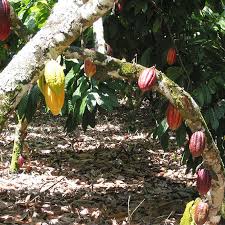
x=143 y=32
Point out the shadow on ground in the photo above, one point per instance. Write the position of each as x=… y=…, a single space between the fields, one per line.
x=107 y=175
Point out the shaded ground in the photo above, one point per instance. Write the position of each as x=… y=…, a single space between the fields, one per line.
x=107 y=175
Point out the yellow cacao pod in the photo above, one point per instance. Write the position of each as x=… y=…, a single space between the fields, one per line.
x=54 y=76
x=54 y=101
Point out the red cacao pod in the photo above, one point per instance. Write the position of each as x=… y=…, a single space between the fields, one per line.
x=4 y=20
x=20 y=161
x=171 y=56
x=173 y=116
x=203 y=181
x=147 y=79
x=201 y=212
x=197 y=143
x=4 y=4
x=89 y=68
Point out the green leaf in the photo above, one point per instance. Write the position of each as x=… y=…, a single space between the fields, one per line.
x=199 y=96
x=22 y=106
x=174 y=72
x=88 y=119
x=164 y=141
x=181 y=135
x=206 y=93
x=81 y=89
x=213 y=120
x=92 y=100
x=186 y=154
x=212 y=86
x=146 y=57
x=82 y=107
x=160 y=129
x=157 y=24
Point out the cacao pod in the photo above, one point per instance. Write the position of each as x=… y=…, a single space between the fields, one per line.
x=171 y=56
x=54 y=101
x=20 y=161
x=201 y=212
x=147 y=79
x=54 y=76
x=89 y=68
x=173 y=116
x=203 y=181
x=197 y=143
x=4 y=9
x=4 y=20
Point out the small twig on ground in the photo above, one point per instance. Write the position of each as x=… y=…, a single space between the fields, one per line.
x=128 y=209
x=168 y=217
x=59 y=180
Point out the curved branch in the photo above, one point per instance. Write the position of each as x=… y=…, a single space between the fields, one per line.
x=68 y=18
x=188 y=108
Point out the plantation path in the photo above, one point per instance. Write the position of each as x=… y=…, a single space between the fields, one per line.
x=91 y=178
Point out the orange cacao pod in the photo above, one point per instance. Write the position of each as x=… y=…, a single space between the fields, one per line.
x=201 y=212
x=4 y=20
x=173 y=116
x=89 y=68
x=203 y=181
x=197 y=143
x=147 y=79
x=171 y=56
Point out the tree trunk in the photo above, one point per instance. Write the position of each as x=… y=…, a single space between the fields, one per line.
x=20 y=134
x=68 y=19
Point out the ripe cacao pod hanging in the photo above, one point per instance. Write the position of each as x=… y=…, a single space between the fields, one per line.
x=20 y=161
x=89 y=68
x=4 y=9
x=54 y=101
x=147 y=79
x=203 y=181
x=201 y=212
x=197 y=143
x=173 y=116
x=171 y=56
x=54 y=76
x=4 y=20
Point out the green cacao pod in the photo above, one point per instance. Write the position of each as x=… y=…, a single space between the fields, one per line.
x=54 y=76
x=173 y=116
x=197 y=143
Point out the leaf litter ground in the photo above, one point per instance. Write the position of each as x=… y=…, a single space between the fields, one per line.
x=107 y=175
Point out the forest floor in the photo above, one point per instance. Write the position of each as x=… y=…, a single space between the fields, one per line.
x=107 y=175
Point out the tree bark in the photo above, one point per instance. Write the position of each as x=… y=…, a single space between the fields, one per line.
x=64 y=25
x=20 y=134
x=190 y=111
